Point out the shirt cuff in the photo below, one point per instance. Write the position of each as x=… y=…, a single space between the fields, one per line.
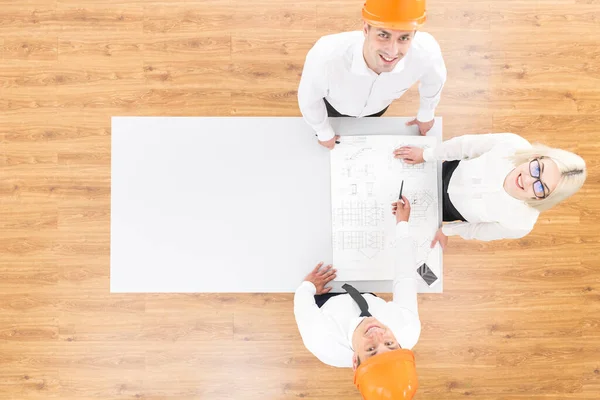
x=402 y=229
x=447 y=230
x=428 y=154
x=326 y=134
x=425 y=115
x=309 y=287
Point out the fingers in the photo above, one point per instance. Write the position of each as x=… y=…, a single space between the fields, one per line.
x=405 y=202
x=442 y=244
x=326 y=290
x=323 y=271
x=434 y=241
x=319 y=265
x=403 y=150
x=413 y=122
x=330 y=276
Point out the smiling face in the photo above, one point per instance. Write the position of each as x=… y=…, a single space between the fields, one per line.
x=535 y=179
x=383 y=48
x=371 y=337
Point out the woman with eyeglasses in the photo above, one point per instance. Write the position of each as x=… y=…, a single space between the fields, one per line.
x=495 y=185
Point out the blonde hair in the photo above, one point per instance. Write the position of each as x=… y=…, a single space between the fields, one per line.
x=572 y=173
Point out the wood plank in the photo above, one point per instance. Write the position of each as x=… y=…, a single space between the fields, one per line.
x=187 y=16
x=30 y=48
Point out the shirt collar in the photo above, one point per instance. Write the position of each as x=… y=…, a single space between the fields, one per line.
x=360 y=67
x=352 y=327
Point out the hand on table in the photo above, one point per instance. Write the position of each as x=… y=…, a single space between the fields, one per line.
x=321 y=277
x=440 y=237
x=424 y=127
x=409 y=154
x=330 y=144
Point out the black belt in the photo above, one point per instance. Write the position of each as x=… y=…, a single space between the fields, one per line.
x=450 y=213
x=332 y=112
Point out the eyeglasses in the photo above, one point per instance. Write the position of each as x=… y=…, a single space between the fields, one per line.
x=538 y=186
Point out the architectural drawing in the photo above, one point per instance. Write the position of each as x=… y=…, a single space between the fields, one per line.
x=365 y=180
x=421 y=202
x=358 y=214
x=359 y=240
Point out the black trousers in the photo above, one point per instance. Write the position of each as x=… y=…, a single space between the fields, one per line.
x=450 y=213
x=321 y=299
x=332 y=112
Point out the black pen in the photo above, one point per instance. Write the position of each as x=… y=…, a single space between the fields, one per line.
x=336 y=142
x=401 y=187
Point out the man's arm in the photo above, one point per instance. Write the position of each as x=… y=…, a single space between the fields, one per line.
x=405 y=283
x=311 y=91
x=317 y=330
x=406 y=323
x=431 y=85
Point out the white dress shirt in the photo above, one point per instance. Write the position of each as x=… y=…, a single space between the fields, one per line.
x=335 y=69
x=476 y=188
x=327 y=331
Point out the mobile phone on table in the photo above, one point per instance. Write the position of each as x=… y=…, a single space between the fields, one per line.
x=427 y=274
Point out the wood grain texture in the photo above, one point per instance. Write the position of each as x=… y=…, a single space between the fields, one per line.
x=518 y=319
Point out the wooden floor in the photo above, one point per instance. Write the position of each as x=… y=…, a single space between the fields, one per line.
x=518 y=319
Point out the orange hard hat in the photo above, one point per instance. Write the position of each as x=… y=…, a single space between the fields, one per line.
x=402 y=15
x=386 y=376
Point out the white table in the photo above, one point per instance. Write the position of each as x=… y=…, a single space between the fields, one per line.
x=238 y=204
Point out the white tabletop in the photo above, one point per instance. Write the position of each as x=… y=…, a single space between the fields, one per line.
x=226 y=204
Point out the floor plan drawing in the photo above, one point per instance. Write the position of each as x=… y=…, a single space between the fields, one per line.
x=365 y=180
x=422 y=203
x=358 y=213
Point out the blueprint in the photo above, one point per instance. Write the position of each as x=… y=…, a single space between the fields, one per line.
x=365 y=180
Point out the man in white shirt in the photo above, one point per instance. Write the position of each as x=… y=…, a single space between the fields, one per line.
x=365 y=332
x=359 y=74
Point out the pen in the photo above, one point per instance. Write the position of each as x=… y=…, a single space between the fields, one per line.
x=336 y=142
x=401 y=187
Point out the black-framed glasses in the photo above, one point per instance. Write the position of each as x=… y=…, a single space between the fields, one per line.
x=538 y=186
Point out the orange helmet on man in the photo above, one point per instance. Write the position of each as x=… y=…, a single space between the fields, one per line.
x=402 y=15
x=387 y=376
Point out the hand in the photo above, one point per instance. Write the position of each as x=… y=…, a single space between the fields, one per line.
x=321 y=277
x=330 y=144
x=440 y=237
x=401 y=209
x=410 y=154
x=424 y=127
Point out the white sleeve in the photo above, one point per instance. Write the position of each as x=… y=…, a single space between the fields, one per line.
x=318 y=330
x=470 y=146
x=484 y=231
x=311 y=91
x=404 y=302
x=430 y=87
x=405 y=284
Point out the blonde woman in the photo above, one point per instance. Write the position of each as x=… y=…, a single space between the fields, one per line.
x=495 y=185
